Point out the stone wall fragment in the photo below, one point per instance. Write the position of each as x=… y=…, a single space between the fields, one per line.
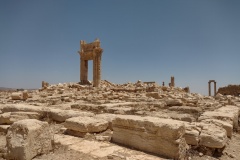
x=159 y=136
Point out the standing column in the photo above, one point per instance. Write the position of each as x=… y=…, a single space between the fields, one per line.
x=209 y=88
x=84 y=71
x=94 y=72
x=97 y=68
x=215 y=88
x=172 y=82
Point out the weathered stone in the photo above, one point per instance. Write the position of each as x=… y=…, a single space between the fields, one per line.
x=86 y=124
x=28 y=138
x=228 y=127
x=153 y=95
x=174 y=102
x=160 y=136
x=107 y=117
x=186 y=109
x=182 y=116
x=212 y=136
x=205 y=134
x=61 y=115
x=192 y=133
x=103 y=138
x=22 y=108
x=228 y=117
x=11 y=117
x=192 y=137
x=4 y=128
x=17 y=96
x=25 y=94
x=234 y=110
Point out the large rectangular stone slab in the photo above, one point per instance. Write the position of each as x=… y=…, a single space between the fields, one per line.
x=206 y=133
x=11 y=117
x=234 y=110
x=155 y=135
x=212 y=136
x=22 y=108
x=223 y=116
x=86 y=124
x=28 y=138
x=192 y=133
x=61 y=115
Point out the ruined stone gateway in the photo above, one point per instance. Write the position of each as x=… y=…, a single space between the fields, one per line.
x=90 y=51
x=209 y=87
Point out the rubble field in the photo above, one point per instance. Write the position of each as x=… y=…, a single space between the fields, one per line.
x=132 y=121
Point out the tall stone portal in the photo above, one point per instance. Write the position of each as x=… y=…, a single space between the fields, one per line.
x=209 y=87
x=90 y=51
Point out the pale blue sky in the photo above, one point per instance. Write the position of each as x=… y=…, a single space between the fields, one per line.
x=148 y=40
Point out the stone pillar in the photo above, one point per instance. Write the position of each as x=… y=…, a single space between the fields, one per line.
x=43 y=84
x=209 y=88
x=215 y=88
x=97 y=69
x=172 y=82
x=83 y=71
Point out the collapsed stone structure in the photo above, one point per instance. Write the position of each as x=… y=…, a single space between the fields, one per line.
x=166 y=121
x=233 y=90
x=90 y=51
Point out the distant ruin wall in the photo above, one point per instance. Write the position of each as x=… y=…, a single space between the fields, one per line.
x=233 y=90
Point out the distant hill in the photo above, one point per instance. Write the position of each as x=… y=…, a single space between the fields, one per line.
x=7 y=89
x=13 y=89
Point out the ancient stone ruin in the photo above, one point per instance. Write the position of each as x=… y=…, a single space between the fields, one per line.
x=233 y=90
x=209 y=87
x=141 y=120
x=90 y=51
x=130 y=121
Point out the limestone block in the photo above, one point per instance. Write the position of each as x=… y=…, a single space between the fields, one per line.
x=86 y=124
x=22 y=108
x=186 y=109
x=228 y=127
x=25 y=94
x=235 y=112
x=17 y=96
x=155 y=135
x=4 y=128
x=174 y=102
x=224 y=116
x=212 y=136
x=192 y=133
x=28 y=138
x=11 y=117
x=153 y=94
x=192 y=137
x=61 y=115
x=5 y=118
x=108 y=117
x=103 y=138
x=182 y=116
